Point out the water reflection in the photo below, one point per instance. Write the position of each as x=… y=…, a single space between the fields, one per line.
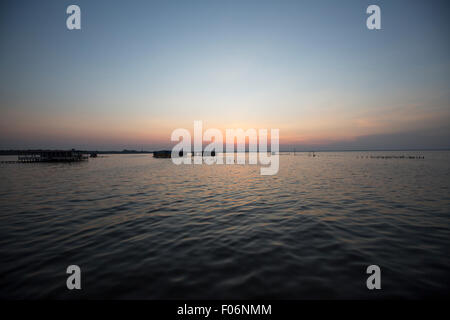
x=141 y=227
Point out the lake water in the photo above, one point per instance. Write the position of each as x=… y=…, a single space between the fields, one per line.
x=140 y=227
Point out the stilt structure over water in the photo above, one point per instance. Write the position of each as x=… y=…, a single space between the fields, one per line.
x=162 y=154
x=51 y=156
x=168 y=154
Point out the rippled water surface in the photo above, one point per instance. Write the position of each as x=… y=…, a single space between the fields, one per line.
x=145 y=228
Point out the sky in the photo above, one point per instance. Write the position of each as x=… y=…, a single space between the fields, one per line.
x=137 y=70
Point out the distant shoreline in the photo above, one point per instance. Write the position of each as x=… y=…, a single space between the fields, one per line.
x=14 y=152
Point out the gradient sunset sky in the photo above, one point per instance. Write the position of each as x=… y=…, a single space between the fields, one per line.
x=137 y=70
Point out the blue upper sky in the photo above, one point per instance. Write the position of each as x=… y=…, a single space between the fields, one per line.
x=139 y=69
